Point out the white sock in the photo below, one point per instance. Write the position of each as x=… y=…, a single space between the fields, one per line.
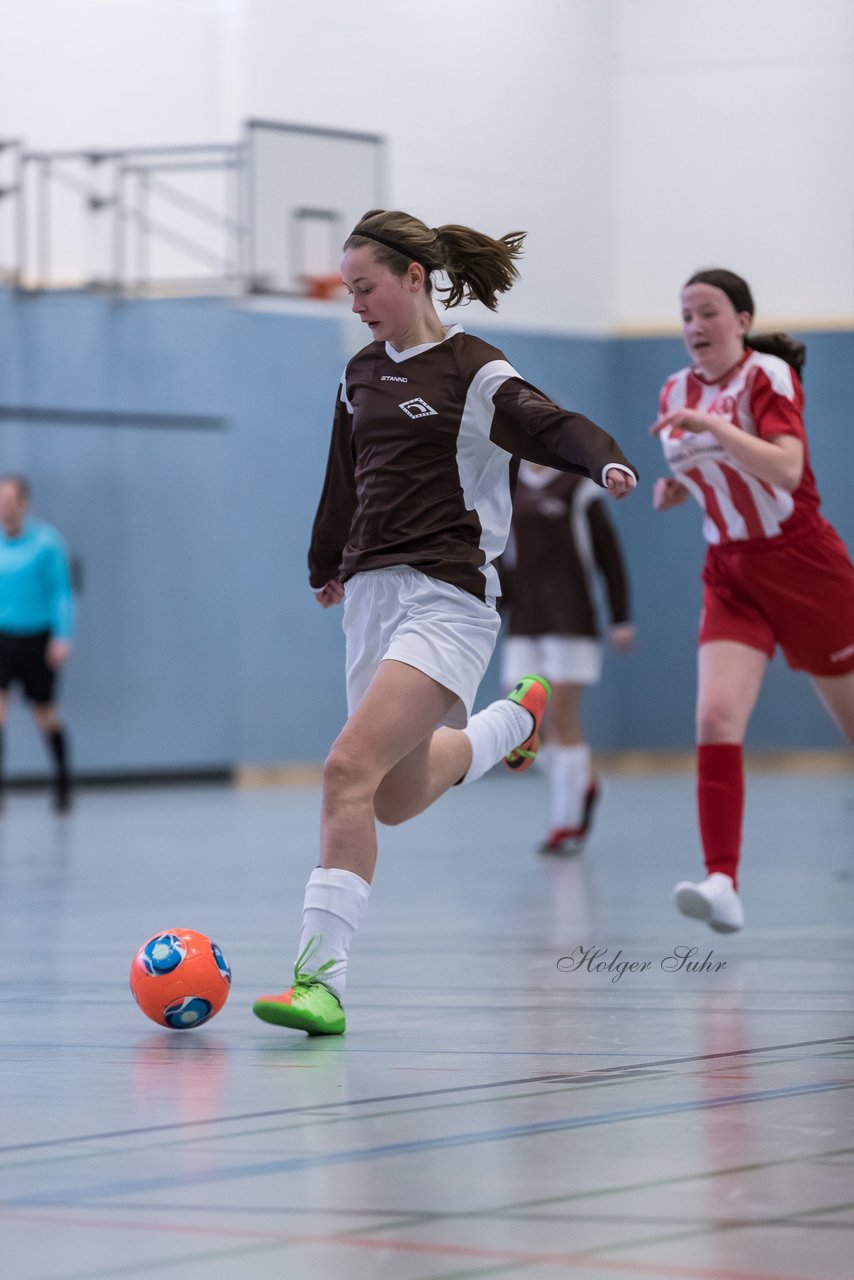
x=493 y=733
x=569 y=778
x=335 y=903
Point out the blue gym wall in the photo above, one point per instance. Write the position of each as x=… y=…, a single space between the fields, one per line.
x=199 y=644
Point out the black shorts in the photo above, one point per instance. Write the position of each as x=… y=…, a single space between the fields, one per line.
x=23 y=659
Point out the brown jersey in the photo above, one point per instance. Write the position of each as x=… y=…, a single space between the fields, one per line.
x=421 y=463
x=561 y=540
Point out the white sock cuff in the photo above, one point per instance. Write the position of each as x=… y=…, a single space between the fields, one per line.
x=341 y=893
x=493 y=733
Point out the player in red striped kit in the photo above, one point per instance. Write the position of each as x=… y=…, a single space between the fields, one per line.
x=776 y=573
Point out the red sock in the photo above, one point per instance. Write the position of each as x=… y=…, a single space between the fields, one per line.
x=720 y=805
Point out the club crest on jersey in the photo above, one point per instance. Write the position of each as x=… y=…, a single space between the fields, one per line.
x=417 y=408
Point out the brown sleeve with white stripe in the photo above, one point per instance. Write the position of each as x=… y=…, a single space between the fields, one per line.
x=531 y=426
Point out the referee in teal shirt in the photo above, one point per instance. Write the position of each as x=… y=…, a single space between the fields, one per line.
x=35 y=623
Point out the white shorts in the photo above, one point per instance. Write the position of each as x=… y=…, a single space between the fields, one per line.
x=403 y=614
x=561 y=659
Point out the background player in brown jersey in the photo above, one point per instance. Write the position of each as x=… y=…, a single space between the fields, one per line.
x=415 y=509
x=776 y=573
x=561 y=541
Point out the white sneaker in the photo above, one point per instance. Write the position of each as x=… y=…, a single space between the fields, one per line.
x=713 y=900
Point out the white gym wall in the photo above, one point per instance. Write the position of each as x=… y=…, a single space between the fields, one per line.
x=633 y=139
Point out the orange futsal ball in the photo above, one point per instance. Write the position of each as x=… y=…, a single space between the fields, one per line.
x=180 y=978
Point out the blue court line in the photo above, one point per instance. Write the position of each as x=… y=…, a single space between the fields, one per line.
x=292 y=1164
x=514 y=1208
x=556 y=1077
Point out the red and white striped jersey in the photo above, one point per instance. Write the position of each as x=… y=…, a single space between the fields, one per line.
x=762 y=395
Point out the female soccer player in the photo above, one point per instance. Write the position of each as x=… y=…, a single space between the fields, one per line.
x=561 y=540
x=775 y=572
x=414 y=510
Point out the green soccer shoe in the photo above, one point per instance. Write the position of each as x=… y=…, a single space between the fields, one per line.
x=306 y=1006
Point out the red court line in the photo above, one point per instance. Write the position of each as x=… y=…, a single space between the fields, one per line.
x=657 y=1270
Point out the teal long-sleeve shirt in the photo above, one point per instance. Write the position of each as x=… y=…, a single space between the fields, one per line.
x=35 y=591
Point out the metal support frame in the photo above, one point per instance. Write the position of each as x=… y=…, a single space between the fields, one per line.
x=136 y=196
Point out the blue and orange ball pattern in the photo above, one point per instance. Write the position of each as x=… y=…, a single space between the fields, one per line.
x=180 y=978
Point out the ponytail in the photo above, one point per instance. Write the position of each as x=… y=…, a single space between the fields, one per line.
x=477 y=266
x=779 y=344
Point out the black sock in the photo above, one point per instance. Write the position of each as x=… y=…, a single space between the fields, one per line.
x=57 y=741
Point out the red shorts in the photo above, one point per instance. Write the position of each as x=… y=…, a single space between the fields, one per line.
x=798 y=594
